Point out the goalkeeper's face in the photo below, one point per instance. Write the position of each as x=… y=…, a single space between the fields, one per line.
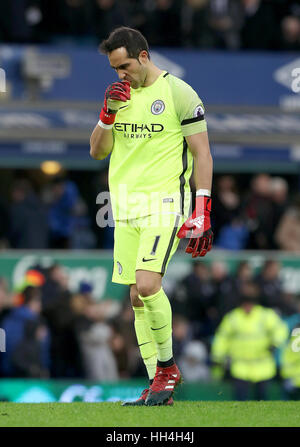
x=128 y=68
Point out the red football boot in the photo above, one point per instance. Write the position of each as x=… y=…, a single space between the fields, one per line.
x=162 y=388
x=141 y=400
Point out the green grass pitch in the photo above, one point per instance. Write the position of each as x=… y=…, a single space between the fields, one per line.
x=182 y=414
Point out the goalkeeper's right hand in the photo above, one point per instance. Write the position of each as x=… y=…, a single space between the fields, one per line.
x=115 y=96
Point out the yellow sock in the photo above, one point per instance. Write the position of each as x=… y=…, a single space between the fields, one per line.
x=151 y=364
x=145 y=341
x=158 y=314
x=165 y=350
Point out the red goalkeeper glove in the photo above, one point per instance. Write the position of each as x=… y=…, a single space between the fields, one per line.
x=115 y=96
x=198 y=228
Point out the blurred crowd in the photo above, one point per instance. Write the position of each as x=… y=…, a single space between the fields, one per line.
x=207 y=24
x=52 y=332
x=261 y=214
x=56 y=216
x=266 y=216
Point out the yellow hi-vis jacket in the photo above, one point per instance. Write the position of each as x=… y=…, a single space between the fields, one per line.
x=290 y=362
x=247 y=339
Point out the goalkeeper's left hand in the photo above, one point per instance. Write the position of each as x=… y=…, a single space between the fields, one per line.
x=198 y=228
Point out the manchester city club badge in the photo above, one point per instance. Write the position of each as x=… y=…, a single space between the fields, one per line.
x=158 y=107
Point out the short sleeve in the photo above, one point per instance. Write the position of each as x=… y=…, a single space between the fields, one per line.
x=188 y=106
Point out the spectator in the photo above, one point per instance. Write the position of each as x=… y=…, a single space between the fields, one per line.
x=260 y=25
x=227 y=203
x=89 y=321
x=64 y=199
x=82 y=237
x=259 y=213
x=55 y=284
x=290 y=34
x=86 y=291
x=182 y=334
x=27 y=358
x=80 y=303
x=129 y=359
x=225 y=19
x=32 y=277
x=73 y=17
x=14 y=324
x=246 y=336
x=60 y=317
x=194 y=26
x=106 y=15
x=99 y=361
x=28 y=218
x=121 y=354
x=136 y=15
x=243 y=274
x=287 y=234
x=96 y=343
x=5 y=299
x=234 y=235
x=224 y=294
x=193 y=362
x=194 y=295
x=270 y=285
x=22 y=21
x=163 y=24
x=225 y=24
x=228 y=295
x=279 y=197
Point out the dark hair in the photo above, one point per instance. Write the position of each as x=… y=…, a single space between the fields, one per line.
x=130 y=38
x=249 y=293
x=31 y=293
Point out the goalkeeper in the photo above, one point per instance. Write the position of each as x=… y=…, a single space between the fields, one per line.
x=152 y=123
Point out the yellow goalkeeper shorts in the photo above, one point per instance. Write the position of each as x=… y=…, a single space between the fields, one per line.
x=146 y=243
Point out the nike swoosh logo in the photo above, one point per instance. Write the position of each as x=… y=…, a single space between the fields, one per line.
x=151 y=259
x=156 y=329
x=123 y=107
x=145 y=343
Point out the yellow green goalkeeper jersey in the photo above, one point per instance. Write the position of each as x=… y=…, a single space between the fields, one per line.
x=151 y=164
